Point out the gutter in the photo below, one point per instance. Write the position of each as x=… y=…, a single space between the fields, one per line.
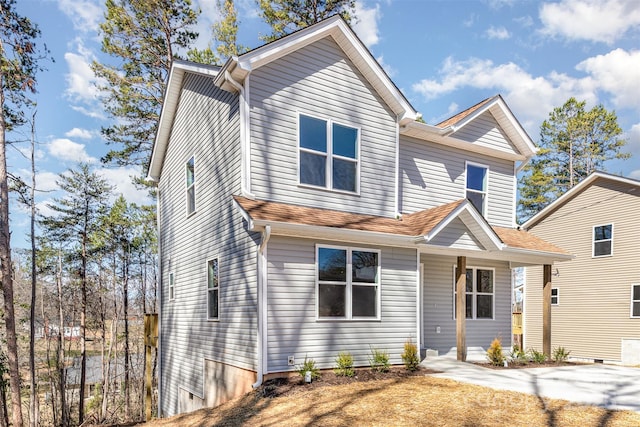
x=244 y=139
x=261 y=349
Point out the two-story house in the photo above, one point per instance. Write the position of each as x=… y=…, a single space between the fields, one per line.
x=595 y=298
x=303 y=211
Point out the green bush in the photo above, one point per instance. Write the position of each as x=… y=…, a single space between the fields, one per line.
x=410 y=356
x=494 y=353
x=309 y=365
x=560 y=354
x=537 y=356
x=379 y=360
x=518 y=356
x=344 y=365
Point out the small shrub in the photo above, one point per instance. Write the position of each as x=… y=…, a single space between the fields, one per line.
x=410 y=356
x=379 y=360
x=537 y=356
x=560 y=354
x=518 y=356
x=494 y=353
x=344 y=365
x=309 y=365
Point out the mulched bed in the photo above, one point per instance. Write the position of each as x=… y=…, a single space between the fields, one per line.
x=294 y=385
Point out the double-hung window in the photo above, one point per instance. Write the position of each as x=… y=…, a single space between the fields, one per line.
x=328 y=154
x=479 y=293
x=172 y=291
x=603 y=240
x=635 y=300
x=555 y=296
x=348 y=283
x=191 y=186
x=213 y=289
x=476 y=187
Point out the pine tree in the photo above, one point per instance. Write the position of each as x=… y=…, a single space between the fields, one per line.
x=19 y=63
x=574 y=142
x=287 y=16
x=143 y=36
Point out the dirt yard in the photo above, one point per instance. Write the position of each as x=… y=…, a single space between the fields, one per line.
x=395 y=399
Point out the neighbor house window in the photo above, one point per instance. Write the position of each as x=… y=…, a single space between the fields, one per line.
x=477 y=186
x=191 y=186
x=328 y=154
x=603 y=240
x=213 y=288
x=479 y=293
x=172 y=287
x=635 y=300
x=348 y=283
x=555 y=296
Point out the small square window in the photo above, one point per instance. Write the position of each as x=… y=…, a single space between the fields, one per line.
x=555 y=296
x=603 y=240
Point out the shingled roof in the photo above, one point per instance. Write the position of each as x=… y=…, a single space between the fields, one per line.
x=412 y=225
x=461 y=115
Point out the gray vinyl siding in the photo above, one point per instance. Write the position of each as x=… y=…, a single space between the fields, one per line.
x=206 y=126
x=456 y=235
x=484 y=130
x=438 y=305
x=292 y=325
x=319 y=80
x=595 y=293
x=433 y=174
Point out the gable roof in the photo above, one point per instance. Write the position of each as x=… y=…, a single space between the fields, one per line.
x=576 y=190
x=444 y=132
x=412 y=229
x=238 y=67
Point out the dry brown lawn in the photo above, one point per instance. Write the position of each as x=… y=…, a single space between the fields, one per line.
x=410 y=401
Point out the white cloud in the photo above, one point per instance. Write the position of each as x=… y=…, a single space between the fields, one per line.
x=82 y=84
x=46 y=181
x=84 y=14
x=121 y=179
x=633 y=141
x=79 y=133
x=498 y=4
x=387 y=68
x=366 y=26
x=65 y=149
x=209 y=14
x=499 y=33
x=617 y=72
x=594 y=20
x=532 y=97
x=524 y=21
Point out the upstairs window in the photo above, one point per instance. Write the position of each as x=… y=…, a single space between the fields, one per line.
x=635 y=300
x=191 y=186
x=348 y=283
x=603 y=240
x=479 y=293
x=477 y=186
x=172 y=288
x=555 y=296
x=328 y=154
x=213 y=289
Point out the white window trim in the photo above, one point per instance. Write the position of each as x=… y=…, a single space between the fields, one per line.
x=188 y=187
x=474 y=293
x=212 y=319
x=172 y=286
x=593 y=241
x=557 y=296
x=485 y=206
x=633 y=301
x=348 y=291
x=329 y=155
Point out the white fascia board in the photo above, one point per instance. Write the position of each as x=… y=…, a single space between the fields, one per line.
x=169 y=107
x=441 y=136
x=541 y=257
x=334 y=233
x=569 y=194
x=245 y=215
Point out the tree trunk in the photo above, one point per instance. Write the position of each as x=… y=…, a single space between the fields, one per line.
x=83 y=324
x=125 y=303
x=64 y=413
x=6 y=277
x=33 y=401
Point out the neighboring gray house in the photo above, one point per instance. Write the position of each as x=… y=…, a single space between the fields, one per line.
x=595 y=299
x=304 y=211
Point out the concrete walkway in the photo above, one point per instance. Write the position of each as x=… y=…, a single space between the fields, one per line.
x=608 y=386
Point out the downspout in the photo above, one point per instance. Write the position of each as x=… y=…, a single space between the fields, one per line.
x=262 y=306
x=245 y=153
x=159 y=301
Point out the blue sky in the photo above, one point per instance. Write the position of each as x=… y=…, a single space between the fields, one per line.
x=444 y=55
